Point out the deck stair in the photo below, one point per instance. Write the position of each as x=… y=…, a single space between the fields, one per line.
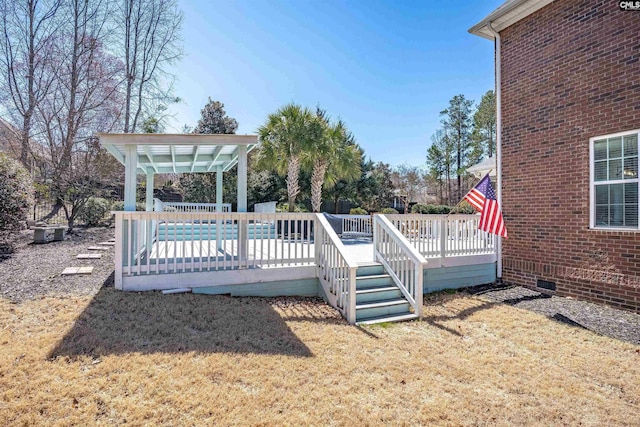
x=378 y=298
x=194 y=231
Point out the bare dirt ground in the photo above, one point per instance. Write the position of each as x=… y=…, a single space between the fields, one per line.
x=79 y=352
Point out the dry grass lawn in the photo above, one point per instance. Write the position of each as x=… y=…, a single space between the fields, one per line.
x=148 y=359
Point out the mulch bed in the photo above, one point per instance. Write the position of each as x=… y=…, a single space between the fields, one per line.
x=603 y=320
x=34 y=270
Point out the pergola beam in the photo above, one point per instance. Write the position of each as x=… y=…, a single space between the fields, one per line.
x=172 y=149
x=214 y=157
x=233 y=157
x=177 y=139
x=195 y=157
x=149 y=155
x=120 y=157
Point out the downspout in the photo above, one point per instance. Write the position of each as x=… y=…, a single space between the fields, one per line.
x=498 y=143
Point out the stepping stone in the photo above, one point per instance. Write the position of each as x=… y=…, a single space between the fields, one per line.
x=97 y=248
x=89 y=256
x=107 y=243
x=77 y=270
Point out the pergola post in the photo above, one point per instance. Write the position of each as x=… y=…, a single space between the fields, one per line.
x=130 y=167
x=149 y=192
x=219 y=189
x=242 y=202
x=219 y=181
x=242 y=178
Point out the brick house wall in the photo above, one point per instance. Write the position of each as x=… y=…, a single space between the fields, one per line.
x=570 y=72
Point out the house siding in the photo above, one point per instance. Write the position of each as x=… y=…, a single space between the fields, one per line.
x=570 y=71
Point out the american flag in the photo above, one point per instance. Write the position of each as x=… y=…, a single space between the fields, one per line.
x=483 y=199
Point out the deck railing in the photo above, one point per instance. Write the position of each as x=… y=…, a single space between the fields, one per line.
x=356 y=225
x=172 y=242
x=444 y=235
x=401 y=260
x=189 y=207
x=336 y=271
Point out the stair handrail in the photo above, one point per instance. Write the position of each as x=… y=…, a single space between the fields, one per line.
x=393 y=251
x=336 y=269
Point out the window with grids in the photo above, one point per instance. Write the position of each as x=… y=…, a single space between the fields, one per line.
x=614 y=174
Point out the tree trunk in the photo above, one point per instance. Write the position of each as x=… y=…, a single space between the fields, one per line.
x=293 y=186
x=490 y=150
x=317 y=179
x=459 y=165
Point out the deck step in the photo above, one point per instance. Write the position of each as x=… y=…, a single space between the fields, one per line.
x=377 y=280
x=369 y=268
x=385 y=319
x=382 y=308
x=373 y=294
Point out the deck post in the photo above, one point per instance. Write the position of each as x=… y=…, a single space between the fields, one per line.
x=118 y=256
x=443 y=237
x=130 y=167
x=242 y=204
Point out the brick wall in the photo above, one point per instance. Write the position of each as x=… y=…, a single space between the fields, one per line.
x=570 y=71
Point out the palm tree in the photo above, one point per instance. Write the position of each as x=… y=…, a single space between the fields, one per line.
x=334 y=156
x=285 y=137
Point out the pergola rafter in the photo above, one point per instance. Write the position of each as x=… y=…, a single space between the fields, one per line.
x=150 y=158
x=214 y=158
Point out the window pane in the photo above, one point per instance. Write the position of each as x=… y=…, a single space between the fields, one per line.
x=630 y=168
x=601 y=171
x=602 y=194
x=616 y=194
x=602 y=215
x=600 y=149
x=615 y=169
x=616 y=159
x=631 y=145
x=631 y=215
x=616 y=215
x=630 y=193
x=615 y=147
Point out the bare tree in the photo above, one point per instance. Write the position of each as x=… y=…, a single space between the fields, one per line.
x=83 y=99
x=409 y=182
x=26 y=44
x=149 y=31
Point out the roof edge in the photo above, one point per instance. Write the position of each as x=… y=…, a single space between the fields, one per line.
x=176 y=139
x=506 y=15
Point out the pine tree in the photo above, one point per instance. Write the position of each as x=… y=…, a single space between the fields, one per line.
x=457 y=122
x=213 y=119
x=484 y=124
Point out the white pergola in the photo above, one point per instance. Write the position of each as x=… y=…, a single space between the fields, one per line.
x=150 y=154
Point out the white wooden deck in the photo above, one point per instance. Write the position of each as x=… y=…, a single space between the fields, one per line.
x=279 y=252
x=271 y=252
x=160 y=250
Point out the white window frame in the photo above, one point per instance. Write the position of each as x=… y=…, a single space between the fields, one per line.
x=592 y=182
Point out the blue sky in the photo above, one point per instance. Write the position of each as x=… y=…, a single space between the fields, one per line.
x=387 y=68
